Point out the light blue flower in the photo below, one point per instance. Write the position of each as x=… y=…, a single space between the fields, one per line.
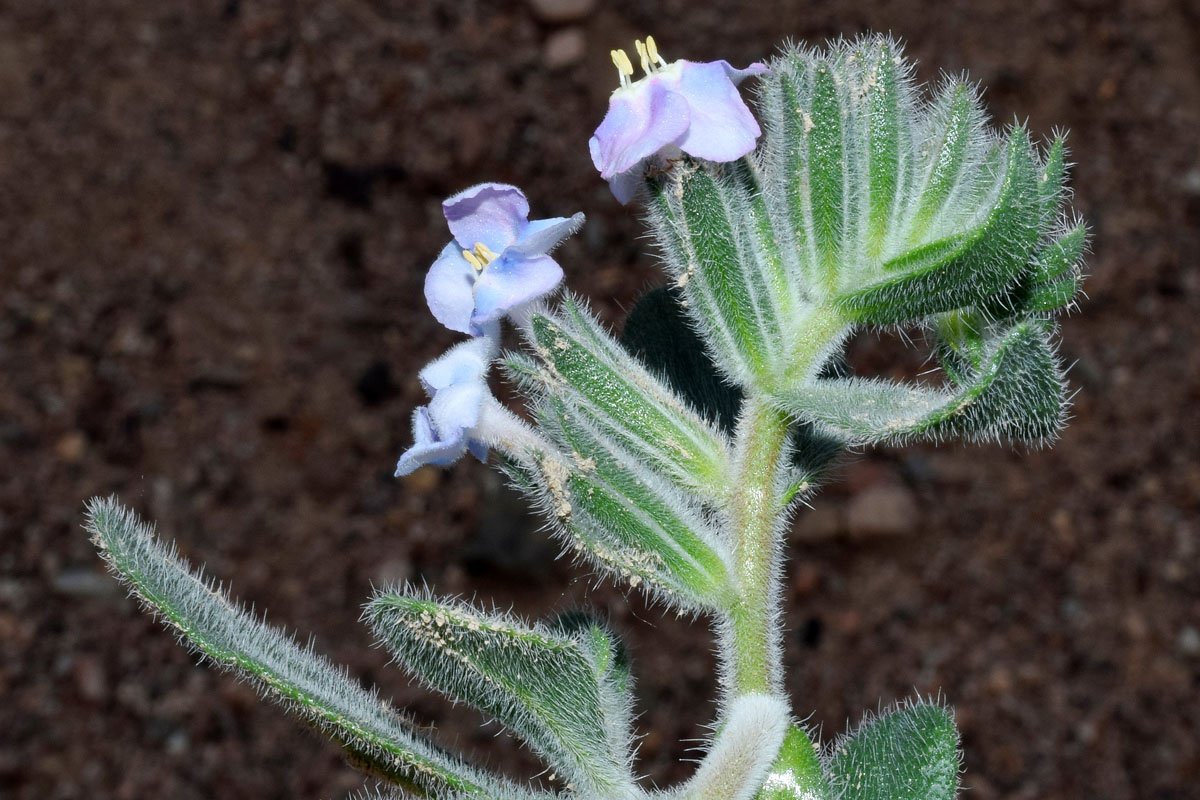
x=497 y=261
x=457 y=387
x=682 y=106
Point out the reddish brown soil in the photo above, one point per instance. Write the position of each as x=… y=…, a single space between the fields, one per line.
x=215 y=219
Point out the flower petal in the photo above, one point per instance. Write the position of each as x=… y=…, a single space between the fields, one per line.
x=722 y=127
x=541 y=235
x=513 y=280
x=456 y=409
x=449 y=289
x=466 y=362
x=642 y=119
x=493 y=214
x=478 y=449
x=738 y=75
x=625 y=185
x=427 y=448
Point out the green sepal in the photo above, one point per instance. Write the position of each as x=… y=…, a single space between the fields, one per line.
x=797 y=773
x=376 y=737
x=550 y=685
x=910 y=753
x=1051 y=181
x=827 y=172
x=948 y=156
x=719 y=246
x=595 y=376
x=629 y=519
x=887 y=133
x=1016 y=392
x=961 y=269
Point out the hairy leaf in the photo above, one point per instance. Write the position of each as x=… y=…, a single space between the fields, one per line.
x=303 y=682
x=560 y=689
x=909 y=753
x=629 y=519
x=1016 y=392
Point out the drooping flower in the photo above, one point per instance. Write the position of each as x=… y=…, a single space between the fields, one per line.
x=682 y=106
x=457 y=387
x=497 y=261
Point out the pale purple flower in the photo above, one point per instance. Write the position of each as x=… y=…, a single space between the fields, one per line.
x=457 y=387
x=682 y=106
x=497 y=261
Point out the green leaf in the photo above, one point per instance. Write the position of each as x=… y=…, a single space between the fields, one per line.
x=962 y=269
x=595 y=376
x=552 y=686
x=910 y=753
x=1049 y=282
x=303 y=682
x=1016 y=393
x=797 y=773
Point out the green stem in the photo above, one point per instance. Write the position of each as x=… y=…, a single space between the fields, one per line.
x=752 y=654
x=755 y=511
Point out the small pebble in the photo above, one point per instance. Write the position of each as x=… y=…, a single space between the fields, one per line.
x=564 y=48
x=71 y=447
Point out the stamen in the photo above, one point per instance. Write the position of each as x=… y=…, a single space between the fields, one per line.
x=485 y=253
x=643 y=55
x=652 y=51
x=624 y=66
x=473 y=261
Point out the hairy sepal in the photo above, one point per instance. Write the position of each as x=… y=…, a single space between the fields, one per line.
x=627 y=518
x=963 y=267
x=910 y=752
x=719 y=244
x=216 y=627
x=598 y=379
x=1009 y=386
x=560 y=688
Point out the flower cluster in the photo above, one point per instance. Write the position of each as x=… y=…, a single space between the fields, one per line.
x=496 y=265
x=498 y=262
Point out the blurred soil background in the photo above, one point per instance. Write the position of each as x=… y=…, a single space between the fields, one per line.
x=215 y=220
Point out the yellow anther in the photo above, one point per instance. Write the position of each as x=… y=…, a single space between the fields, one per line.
x=624 y=66
x=485 y=253
x=473 y=260
x=643 y=54
x=652 y=51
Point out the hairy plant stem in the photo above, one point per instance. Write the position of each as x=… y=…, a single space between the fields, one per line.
x=756 y=510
